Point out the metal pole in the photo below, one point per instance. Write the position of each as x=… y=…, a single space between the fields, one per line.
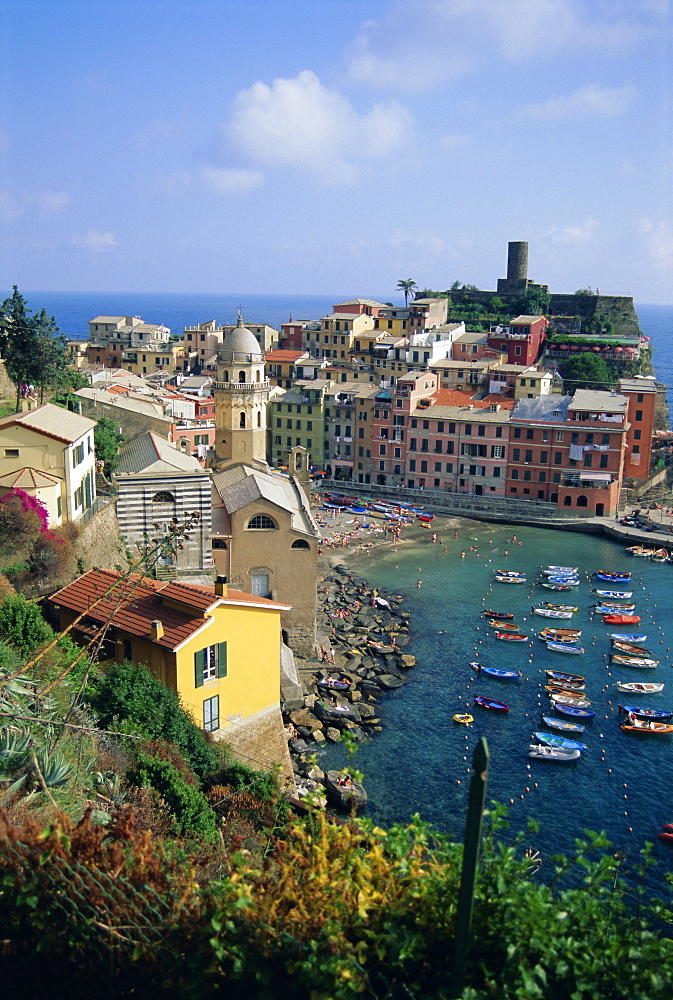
x=475 y=812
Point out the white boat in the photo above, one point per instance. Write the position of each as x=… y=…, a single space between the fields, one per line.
x=552 y=613
x=511 y=579
x=552 y=570
x=569 y=699
x=540 y=752
x=562 y=647
x=636 y=688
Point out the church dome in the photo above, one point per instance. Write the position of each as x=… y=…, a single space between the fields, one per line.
x=240 y=345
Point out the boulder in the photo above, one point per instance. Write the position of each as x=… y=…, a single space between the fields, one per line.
x=297 y=746
x=305 y=719
x=337 y=714
x=347 y=797
x=318 y=736
x=407 y=661
x=391 y=681
x=332 y=734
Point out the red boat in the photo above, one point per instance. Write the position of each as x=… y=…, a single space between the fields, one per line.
x=621 y=619
x=511 y=636
x=494 y=706
x=668 y=837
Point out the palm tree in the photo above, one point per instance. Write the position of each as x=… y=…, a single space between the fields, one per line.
x=406 y=285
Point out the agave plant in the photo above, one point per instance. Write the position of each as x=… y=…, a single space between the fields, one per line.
x=53 y=768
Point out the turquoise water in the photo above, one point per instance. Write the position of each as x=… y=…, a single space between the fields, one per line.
x=419 y=763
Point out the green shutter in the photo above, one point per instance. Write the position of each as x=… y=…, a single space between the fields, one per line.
x=199 y=664
x=221 y=659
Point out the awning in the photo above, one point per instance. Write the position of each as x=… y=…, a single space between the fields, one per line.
x=603 y=477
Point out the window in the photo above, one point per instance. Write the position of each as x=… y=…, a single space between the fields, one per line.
x=637 y=434
x=544 y=457
x=589 y=438
x=556 y=478
x=574 y=438
x=528 y=455
x=241 y=420
x=59 y=507
x=301 y=543
x=128 y=650
x=517 y=432
x=210 y=663
x=498 y=432
x=412 y=465
x=468 y=430
x=604 y=461
x=497 y=451
x=496 y=472
x=559 y=437
x=516 y=455
x=11 y=452
x=412 y=444
x=529 y=434
x=77 y=455
x=545 y=436
x=640 y=397
x=515 y=473
x=262 y=522
x=382 y=449
x=211 y=714
x=163 y=496
x=219 y=543
x=260 y=584
x=639 y=415
x=587 y=460
x=606 y=439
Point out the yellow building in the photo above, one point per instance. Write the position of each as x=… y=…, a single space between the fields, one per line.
x=218 y=648
x=146 y=360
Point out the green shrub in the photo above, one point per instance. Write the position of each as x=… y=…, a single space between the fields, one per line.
x=129 y=692
x=22 y=624
x=193 y=814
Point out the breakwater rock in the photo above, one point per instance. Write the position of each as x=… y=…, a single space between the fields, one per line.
x=362 y=659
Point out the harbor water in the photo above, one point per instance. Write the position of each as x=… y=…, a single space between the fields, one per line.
x=420 y=762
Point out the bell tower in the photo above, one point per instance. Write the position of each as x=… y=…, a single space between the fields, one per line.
x=241 y=394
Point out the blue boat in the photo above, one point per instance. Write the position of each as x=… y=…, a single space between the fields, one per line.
x=565 y=647
x=497 y=672
x=646 y=713
x=628 y=636
x=566 y=727
x=602 y=574
x=559 y=741
x=573 y=711
x=610 y=609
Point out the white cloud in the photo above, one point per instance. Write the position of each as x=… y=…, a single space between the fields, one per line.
x=13 y=205
x=418 y=44
x=95 y=240
x=569 y=235
x=231 y=181
x=300 y=123
x=594 y=100
x=658 y=239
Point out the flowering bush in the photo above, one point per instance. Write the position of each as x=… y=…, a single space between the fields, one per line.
x=22 y=518
x=29 y=503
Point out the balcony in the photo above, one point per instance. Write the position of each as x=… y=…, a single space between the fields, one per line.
x=589 y=481
x=242 y=386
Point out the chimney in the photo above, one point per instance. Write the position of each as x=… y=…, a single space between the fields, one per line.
x=157 y=630
x=221 y=588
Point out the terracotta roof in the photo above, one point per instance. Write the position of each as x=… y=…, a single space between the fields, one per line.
x=138 y=601
x=28 y=479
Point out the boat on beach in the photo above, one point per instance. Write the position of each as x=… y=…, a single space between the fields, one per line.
x=562 y=725
x=557 y=754
x=636 y=687
x=489 y=703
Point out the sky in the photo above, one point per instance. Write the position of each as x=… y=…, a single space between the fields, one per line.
x=288 y=146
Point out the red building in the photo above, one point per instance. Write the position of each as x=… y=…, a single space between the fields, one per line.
x=642 y=396
x=522 y=341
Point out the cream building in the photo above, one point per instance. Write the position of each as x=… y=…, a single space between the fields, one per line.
x=58 y=444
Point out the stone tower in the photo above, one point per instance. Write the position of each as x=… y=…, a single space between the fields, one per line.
x=241 y=394
x=517 y=268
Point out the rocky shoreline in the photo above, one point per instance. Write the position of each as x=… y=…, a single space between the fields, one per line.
x=367 y=634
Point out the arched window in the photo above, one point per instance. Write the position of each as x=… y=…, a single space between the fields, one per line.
x=259 y=419
x=262 y=522
x=257 y=376
x=225 y=376
x=241 y=420
x=163 y=496
x=241 y=376
x=301 y=543
x=582 y=501
x=567 y=501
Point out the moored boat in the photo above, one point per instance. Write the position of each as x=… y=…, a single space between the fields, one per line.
x=552 y=613
x=630 y=648
x=567 y=699
x=636 y=687
x=577 y=693
x=503 y=626
x=496 y=672
x=511 y=636
x=621 y=619
x=563 y=647
x=558 y=741
x=562 y=724
x=489 y=703
x=659 y=714
x=614 y=609
x=661 y=556
x=557 y=586
x=628 y=636
x=505 y=616
x=574 y=711
x=510 y=579
x=559 y=675
x=510 y=572
x=604 y=574
x=640 y=726
x=556 y=570
x=558 y=754
x=641 y=662
x=569 y=633
x=464 y=718
x=558 y=607
x=640 y=551
x=618 y=594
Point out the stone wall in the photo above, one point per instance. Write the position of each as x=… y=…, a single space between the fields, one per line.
x=132 y=423
x=7 y=387
x=260 y=742
x=100 y=543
